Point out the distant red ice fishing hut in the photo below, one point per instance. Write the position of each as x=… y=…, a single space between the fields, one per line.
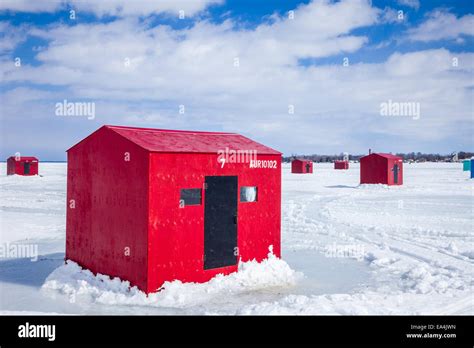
x=381 y=168
x=341 y=164
x=24 y=165
x=151 y=206
x=301 y=166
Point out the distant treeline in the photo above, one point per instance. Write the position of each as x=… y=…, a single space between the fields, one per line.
x=412 y=156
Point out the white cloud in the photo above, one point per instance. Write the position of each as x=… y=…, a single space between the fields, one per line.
x=410 y=3
x=119 y=8
x=442 y=25
x=143 y=7
x=30 y=6
x=11 y=36
x=97 y=53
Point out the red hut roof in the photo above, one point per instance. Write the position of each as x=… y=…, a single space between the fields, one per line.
x=386 y=155
x=24 y=158
x=166 y=140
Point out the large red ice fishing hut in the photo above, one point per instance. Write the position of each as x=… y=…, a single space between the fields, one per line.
x=24 y=165
x=381 y=168
x=301 y=166
x=151 y=205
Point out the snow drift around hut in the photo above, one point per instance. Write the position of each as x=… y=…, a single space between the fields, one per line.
x=82 y=285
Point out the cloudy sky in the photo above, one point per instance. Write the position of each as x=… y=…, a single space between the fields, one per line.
x=300 y=76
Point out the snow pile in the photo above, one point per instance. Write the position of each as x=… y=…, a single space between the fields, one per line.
x=82 y=285
x=420 y=277
x=424 y=279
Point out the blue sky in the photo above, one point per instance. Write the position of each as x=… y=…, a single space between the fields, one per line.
x=240 y=66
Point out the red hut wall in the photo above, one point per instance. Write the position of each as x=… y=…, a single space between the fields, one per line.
x=176 y=245
x=12 y=166
x=390 y=170
x=296 y=166
x=373 y=170
x=341 y=165
x=107 y=230
x=301 y=167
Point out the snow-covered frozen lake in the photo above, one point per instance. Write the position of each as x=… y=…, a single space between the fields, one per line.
x=347 y=249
